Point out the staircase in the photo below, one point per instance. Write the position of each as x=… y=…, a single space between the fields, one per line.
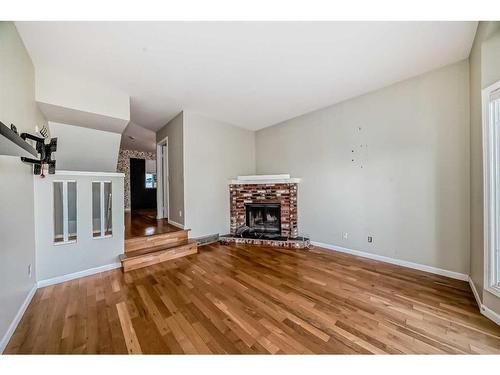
x=145 y=251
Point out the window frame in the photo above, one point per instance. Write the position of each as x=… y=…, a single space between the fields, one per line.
x=491 y=175
x=65 y=218
x=102 y=209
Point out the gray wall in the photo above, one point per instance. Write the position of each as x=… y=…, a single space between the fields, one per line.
x=174 y=130
x=484 y=63
x=393 y=164
x=17 y=230
x=84 y=149
x=214 y=152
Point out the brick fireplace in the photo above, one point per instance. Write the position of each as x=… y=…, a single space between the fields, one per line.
x=266 y=196
x=284 y=194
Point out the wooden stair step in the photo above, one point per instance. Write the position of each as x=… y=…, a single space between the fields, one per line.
x=163 y=239
x=152 y=249
x=134 y=260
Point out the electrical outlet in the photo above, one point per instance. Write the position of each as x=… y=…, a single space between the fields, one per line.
x=370 y=239
x=29 y=271
x=345 y=235
x=180 y=213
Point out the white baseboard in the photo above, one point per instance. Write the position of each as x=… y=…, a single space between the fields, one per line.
x=490 y=314
x=487 y=312
x=175 y=224
x=76 y=275
x=19 y=315
x=399 y=262
x=476 y=294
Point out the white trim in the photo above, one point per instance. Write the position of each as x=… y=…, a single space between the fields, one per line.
x=65 y=211
x=490 y=314
x=77 y=275
x=264 y=177
x=102 y=237
x=491 y=183
x=103 y=210
x=159 y=184
x=166 y=172
x=175 y=224
x=487 y=312
x=264 y=181
x=476 y=294
x=15 y=322
x=162 y=209
x=399 y=262
x=85 y=173
x=101 y=206
x=65 y=217
x=64 y=242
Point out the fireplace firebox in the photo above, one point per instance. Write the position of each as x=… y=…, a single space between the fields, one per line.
x=263 y=218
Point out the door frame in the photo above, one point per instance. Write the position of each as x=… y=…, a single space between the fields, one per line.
x=491 y=175
x=162 y=189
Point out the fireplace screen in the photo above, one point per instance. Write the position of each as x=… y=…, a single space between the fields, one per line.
x=263 y=218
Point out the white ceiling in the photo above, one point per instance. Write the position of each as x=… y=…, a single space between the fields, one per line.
x=252 y=74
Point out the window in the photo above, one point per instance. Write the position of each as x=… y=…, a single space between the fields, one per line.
x=491 y=146
x=149 y=181
x=102 y=220
x=150 y=166
x=65 y=223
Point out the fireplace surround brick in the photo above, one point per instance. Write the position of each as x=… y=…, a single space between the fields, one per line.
x=283 y=193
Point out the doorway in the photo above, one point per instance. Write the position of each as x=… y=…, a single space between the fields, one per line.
x=163 y=179
x=142 y=186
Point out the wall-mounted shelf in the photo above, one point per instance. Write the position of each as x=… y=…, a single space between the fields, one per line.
x=13 y=145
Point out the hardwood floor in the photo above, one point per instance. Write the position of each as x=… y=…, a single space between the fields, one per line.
x=242 y=299
x=140 y=223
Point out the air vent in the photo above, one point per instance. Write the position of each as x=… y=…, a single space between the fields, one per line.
x=207 y=239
